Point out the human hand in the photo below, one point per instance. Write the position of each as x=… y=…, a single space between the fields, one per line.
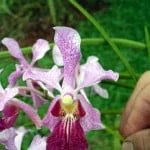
x=135 y=123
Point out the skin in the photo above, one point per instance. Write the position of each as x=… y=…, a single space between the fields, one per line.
x=135 y=123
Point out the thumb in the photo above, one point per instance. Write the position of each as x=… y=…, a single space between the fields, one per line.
x=138 y=141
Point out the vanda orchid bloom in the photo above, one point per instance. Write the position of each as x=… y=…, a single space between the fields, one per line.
x=10 y=106
x=12 y=139
x=39 y=49
x=70 y=115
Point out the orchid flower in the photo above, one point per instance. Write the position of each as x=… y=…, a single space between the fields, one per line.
x=70 y=115
x=8 y=135
x=12 y=139
x=7 y=99
x=39 y=49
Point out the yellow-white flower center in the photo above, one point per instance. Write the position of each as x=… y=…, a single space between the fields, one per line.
x=67 y=100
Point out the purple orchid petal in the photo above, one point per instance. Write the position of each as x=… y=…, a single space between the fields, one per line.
x=100 y=91
x=37 y=99
x=38 y=143
x=7 y=138
x=92 y=73
x=57 y=56
x=10 y=114
x=68 y=41
x=39 y=49
x=91 y=121
x=12 y=138
x=29 y=111
x=14 y=49
x=13 y=77
x=7 y=95
x=50 y=120
x=51 y=77
x=69 y=137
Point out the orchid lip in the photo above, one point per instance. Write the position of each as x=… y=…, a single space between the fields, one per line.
x=68 y=130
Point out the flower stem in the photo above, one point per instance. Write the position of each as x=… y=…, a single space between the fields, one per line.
x=147 y=39
x=120 y=41
x=100 y=28
x=52 y=10
x=127 y=76
x=114 y=133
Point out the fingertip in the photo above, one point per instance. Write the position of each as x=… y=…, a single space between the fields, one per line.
x=128 y=128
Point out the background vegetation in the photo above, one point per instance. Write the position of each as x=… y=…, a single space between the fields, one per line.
x=29 y=20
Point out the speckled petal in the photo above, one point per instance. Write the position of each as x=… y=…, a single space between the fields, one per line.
x=91 y=121
x=92 y=73
x=39 y=49
x=51 y=77
x=68 y=41
x=38 y=143
x=14 y=49
x=49 y=120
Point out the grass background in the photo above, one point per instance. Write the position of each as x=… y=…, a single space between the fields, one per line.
x=121 y=18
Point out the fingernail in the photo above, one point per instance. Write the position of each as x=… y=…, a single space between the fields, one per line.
x=127 y=146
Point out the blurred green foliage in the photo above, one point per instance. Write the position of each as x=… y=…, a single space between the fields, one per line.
x=29 y=20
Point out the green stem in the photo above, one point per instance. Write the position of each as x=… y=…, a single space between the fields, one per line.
x=105 y=35
x=117 y=135
x=147 y=38
x=127 y=76
x=120 y=41
x=118 y=83
x=52 y=10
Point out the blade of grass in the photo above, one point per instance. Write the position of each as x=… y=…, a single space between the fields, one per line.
x=147 y=39
x=52 y=10
x=100 y=28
